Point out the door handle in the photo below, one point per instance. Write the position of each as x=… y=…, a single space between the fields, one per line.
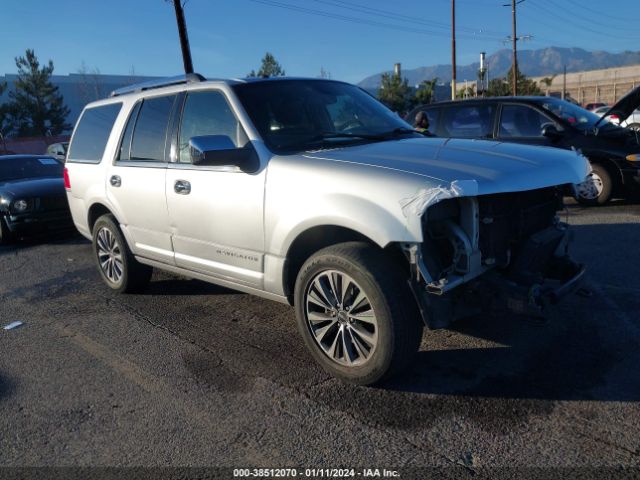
x=115 y=181
x=182 y=187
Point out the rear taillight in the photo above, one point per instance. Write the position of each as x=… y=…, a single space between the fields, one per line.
x=67 y=182
x=614 y=119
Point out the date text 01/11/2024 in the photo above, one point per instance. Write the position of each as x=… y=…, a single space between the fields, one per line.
x=315 y=473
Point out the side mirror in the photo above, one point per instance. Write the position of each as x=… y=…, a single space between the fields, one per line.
x=551 y=131
x=220 y=151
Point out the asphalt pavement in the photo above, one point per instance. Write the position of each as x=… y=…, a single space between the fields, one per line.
x=190 y=374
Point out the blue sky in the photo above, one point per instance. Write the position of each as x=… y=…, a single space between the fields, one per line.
x=349 y=38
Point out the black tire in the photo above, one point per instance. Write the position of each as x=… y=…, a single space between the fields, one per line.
x=398 y=325
x=600 y=174
x=134 y=276
x=6 y=237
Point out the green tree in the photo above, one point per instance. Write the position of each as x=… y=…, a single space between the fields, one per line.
x=499 y=87
x=395 y=93
x=425 y=92
x=5 y=125
x=36 y=106
x=269 y=68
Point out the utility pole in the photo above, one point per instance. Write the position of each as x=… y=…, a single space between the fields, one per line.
x=514 y=39
x=184 y=38
x=453 y=49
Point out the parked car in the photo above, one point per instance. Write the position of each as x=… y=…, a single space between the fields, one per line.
x=32 y=196
x=552 y=122
x=58 y=150
x=593 y=106
x=312 y=193
x=632 y=122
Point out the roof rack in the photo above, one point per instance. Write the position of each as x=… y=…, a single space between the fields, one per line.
x=163 y=82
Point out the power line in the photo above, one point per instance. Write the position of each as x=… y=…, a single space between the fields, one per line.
x=362 y=21
x=404 y=18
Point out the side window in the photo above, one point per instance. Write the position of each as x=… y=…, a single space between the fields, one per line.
x=521 y=121
x=150 y=132
x=125 y=144
x=208 y=113
x=467 y=121
x=92 y=133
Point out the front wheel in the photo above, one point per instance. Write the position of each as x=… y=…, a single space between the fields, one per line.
x=116 y=264
x=355 y=313
x=597 y=188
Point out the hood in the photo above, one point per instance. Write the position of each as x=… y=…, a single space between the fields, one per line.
x=33 y=187
x=624 y=107
x=496 y=167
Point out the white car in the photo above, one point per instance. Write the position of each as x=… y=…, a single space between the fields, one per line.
x=633 y=122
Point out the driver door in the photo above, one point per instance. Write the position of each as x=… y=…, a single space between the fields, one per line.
x=216 y=213
x=523 y=124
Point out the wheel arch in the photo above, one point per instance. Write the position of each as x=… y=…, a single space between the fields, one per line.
x=316 y=238
x=95 y=211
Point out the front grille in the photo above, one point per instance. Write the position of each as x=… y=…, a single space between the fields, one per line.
x=506 y=219
x=53 y=203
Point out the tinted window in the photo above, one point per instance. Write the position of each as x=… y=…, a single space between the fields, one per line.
x=208 y=113
x=470 y=121
x=521 y=121
x=92 y=133
x=150 y=134
x=296 y=115
x=125 y=144
x=17 y=168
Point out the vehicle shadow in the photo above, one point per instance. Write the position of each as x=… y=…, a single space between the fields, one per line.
x=71 y=237
x=7 y=387
x=166 y=284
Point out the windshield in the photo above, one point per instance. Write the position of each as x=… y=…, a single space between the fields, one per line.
x=311 y=114
x=18 y=168
x=574 y=115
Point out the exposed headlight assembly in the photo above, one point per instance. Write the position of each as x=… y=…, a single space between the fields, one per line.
x=634 y=158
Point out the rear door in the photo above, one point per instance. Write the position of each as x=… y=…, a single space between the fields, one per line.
x=216 y=213
x=467 y=120
x=136 y=180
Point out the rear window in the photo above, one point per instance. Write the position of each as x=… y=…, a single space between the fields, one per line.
x=467 y=121
x=150 y=132
x=92 y=133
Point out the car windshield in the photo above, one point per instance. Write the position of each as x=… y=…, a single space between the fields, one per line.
x=293 y=115
x=18 y=168
x=574 y=115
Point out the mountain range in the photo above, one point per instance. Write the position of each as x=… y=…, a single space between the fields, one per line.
x=545 y=61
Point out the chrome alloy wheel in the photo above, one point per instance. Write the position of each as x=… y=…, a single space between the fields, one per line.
x=109 y=255
x=341 y=318
x=591 y=188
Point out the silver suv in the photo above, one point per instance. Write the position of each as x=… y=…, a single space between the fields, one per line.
x=312 y=193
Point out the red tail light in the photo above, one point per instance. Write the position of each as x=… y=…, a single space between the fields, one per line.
x=614 y=119
x=67 y=182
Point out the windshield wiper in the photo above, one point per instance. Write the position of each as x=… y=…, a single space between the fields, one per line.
x=330 y=135
x=398 y=131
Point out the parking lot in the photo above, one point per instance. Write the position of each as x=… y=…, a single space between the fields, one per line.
x=190 y=374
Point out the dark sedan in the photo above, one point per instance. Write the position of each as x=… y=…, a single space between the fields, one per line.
x=614 y=152
x=32 y=196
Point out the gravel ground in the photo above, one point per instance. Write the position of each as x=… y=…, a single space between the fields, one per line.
x=190 y=374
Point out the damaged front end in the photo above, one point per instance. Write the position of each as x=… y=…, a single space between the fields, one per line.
x=498 y=251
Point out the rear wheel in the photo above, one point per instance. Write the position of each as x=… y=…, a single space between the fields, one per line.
x=116 y=264
x=596 y=190
x=634 y=126
x=355 y=313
